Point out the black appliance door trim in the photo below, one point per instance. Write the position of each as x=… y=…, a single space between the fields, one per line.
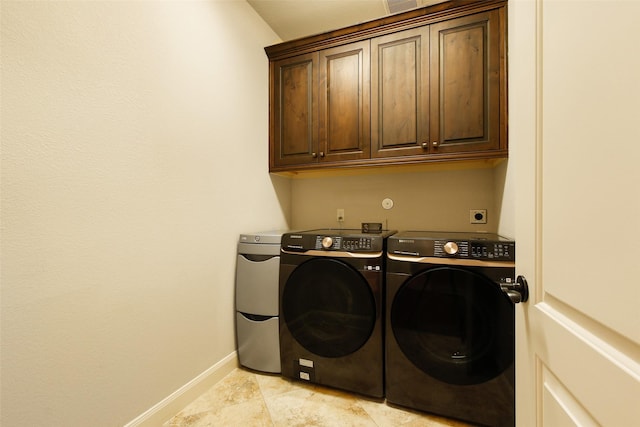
x=334 y=254
x=328 y=307
x=454 y=324
x=451 y=261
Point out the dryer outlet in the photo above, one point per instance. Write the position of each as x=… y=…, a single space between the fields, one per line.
x=478 y=216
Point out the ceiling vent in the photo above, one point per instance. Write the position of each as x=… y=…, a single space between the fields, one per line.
x=397 y=6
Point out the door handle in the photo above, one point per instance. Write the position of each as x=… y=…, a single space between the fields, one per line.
x=518 y=291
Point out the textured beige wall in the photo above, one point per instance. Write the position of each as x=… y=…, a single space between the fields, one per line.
x=134 y=151
x=504 y=192
x=425 y=200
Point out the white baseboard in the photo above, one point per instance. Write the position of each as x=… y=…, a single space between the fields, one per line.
x=161 y=412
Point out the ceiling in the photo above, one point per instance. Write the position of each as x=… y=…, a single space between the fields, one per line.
x=292 y=19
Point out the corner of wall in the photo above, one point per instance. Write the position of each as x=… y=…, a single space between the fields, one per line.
x=164 y=410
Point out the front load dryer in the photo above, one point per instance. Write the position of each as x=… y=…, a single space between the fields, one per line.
x=450 y=325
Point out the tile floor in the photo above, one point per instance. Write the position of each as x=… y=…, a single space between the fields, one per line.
x=246 y=398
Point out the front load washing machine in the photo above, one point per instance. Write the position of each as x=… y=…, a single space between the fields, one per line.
x=450 y=325
x=331 y=305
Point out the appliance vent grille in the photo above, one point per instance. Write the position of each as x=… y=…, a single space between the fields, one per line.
x=397 y=6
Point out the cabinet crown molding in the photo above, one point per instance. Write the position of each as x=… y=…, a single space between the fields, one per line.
x=381 y=26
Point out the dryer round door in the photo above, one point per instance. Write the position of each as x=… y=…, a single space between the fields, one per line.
x=454 y=324
x=328 y=307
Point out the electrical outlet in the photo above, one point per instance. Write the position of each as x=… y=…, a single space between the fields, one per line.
x=340 y=215
x=478 y=216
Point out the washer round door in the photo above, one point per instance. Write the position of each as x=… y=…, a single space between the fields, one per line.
x=328 y=307
x=454 y=324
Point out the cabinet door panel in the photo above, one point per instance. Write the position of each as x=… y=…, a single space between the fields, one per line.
x=294 y=105
x=466 y=94
x=344 y=102
x=399 y=93
x=463 y=85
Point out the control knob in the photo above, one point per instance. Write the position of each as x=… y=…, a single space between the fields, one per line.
x=451 y=248
x=327 y=242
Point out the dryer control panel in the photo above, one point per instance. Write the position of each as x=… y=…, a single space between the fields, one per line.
x=478 y=246
x=504 y=251
x=501 y=251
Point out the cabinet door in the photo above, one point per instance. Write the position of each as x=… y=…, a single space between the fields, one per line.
x=294 y=111
x=400 y=94
x=468 y=95
x=344 y=103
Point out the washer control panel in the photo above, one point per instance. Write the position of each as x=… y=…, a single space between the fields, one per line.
x=329 y=240
x=345 y=243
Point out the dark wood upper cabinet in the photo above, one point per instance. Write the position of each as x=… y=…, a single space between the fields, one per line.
x=320 y=107
x=400 y=93
x=294 y=110
x=423 y=86
x=344 y=103
x=467 y=76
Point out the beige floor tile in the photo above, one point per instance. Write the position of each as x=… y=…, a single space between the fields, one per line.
x=251 y=399
x=393 y=416
x=251 y=413
x=236 y=388
x=272 y=384
x=317 y=407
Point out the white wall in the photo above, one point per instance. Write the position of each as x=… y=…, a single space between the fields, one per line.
x=134 y=151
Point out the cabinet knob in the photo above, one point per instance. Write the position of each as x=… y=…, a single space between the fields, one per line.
x=314 y=155
x=425 y=145
x=435 y=144
x=322 y=154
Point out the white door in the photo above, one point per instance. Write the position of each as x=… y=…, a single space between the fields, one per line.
x=574 y=78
